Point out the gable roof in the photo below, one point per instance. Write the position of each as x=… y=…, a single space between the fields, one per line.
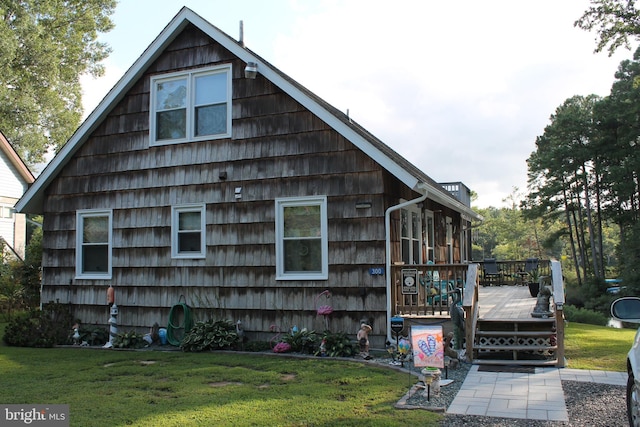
x=402 y=169
x=15 y=160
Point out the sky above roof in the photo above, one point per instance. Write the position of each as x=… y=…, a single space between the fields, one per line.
x=461 y=89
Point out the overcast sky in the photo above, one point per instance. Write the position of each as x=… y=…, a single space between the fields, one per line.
x=460 y=88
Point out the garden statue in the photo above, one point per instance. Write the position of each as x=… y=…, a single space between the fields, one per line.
x=363 y=340
x=542 y=305
x=76 y=334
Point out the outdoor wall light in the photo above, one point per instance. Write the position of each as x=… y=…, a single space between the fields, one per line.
x=238 y=193
x=251 y=70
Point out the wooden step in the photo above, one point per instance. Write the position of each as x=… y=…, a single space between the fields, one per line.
x=522 y=320
x=515 y=333
x=551 y=362
x=515 y=347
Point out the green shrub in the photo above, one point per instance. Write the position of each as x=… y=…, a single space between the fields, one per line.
x=131 y=339
x=339 y=345
x=210 y=335
x=93 y=335
x=41 y=328
x=583 y=315
x=302 y=341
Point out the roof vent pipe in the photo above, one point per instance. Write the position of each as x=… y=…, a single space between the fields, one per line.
x=241 y=39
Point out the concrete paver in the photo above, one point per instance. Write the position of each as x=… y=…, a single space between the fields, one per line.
x=537 y=396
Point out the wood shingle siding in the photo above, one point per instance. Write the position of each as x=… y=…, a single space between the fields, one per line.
x=285 y=143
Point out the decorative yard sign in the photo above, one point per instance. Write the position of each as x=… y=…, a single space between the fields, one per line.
x=428 y=346
x=397 y=324
x=409 y=281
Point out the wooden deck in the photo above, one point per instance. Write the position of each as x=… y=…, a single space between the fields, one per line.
x=505 y=302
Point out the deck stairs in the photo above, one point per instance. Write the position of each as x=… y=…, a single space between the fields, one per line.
x=509 y=341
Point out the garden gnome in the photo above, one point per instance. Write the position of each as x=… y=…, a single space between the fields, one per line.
x=363 y=340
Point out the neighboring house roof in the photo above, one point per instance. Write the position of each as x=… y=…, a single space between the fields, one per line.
x=15 y=160
x=402 y=169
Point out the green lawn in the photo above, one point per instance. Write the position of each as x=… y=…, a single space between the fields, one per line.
x=597 y=347
x=155 y=388
x=158 y=388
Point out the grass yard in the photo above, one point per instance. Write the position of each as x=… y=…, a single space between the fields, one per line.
x=158 y=388
x=597 y=347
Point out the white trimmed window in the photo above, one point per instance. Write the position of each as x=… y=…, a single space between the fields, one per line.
x=93 y=244
x=301 y=239
x=191 y=106
x=188 y=231
x=410 y=235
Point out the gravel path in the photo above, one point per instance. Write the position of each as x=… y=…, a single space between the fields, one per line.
x=588 y=405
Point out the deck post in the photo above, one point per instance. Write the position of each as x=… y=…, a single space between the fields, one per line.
x=558 y=299
x=470 y=306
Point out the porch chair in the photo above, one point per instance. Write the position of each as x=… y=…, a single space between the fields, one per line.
x=530 y=265
x=492 y=274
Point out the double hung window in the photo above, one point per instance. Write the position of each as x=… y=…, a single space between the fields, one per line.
x=188 y=231
x=301 y=238
x=191 y=106
x=93 y=244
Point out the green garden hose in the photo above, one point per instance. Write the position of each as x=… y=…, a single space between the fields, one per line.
x=176 y=330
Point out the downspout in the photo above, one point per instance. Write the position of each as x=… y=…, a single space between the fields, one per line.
x=387 y=227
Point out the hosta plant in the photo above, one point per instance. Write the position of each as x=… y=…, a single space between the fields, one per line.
x=210 y=335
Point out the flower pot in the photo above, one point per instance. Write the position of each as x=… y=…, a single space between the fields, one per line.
x=534 y=288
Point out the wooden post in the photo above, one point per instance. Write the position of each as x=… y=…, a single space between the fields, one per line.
x=558 y=299
x=470 y=304
x=559 y=337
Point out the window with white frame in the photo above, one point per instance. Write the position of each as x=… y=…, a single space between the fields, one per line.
x=7 y=212
x=191 y=106
x=301 y=238
x=449 y=223
x=429 y=236
x=410 y=234
x=188 y=231
x=93 y=244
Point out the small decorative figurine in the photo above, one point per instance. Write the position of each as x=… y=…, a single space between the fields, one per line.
x=363 y=340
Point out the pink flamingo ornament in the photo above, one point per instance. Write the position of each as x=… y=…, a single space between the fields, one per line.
x=324 y=310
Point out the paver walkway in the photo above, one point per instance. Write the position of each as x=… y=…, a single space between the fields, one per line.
x=537 y=396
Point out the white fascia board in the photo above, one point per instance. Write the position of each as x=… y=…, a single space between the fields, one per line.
x=291 y=90
x=31 y=200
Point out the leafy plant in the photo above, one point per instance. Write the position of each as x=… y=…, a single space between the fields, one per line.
x=131 y=339
x=94 y=335
x=40 y=328
x=339 y=345
x=583 y=315
x=302 y=341
x=210 y=335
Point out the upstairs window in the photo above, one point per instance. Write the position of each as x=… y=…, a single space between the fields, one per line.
x=191 y=106
x=93 y=244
